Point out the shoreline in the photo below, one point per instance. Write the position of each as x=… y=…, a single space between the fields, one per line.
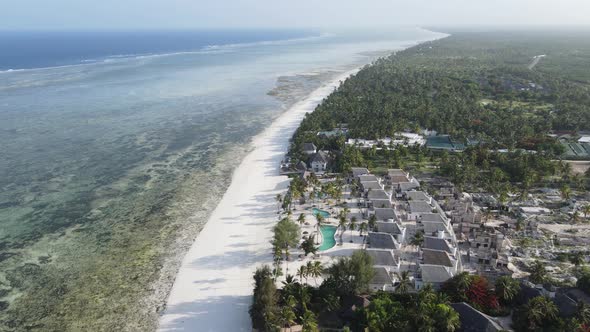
x=214 y=281
x=213 y=287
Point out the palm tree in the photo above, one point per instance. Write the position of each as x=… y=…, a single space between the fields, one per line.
x=372 y=222
x=301 y=219
x=583 y=313
x=363 y=227
x=446 y=318
x=314 y=270
x=279 y=199
x=302 y=273
x=309 y=322
x=342 y=225
x=418 y=239
x=277 y=258
x=405 y=284
x=507 y=288
x=289 y=280
x=538 y=272
x=575 y=217
x=426 y=294
x=566 y=192
x=352 y=227
x=345 y=211
x=565 y=169
x=442 y=298
x=287 y=256
x=320 y=221
x=578 y=181
x=538 y=311
x=577 y=258
x=287 y=315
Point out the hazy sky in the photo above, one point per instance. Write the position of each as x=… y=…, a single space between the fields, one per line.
x=128 y=14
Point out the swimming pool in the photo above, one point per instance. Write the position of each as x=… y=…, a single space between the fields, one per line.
x=328 y=233
x=323 y=213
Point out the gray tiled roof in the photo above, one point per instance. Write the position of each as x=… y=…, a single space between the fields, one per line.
x=431 y=227
x=320 y=157
x=395 y=172
x=388 y=227
x=399 y=178
x=432 y=217
x=359 y=216
x=436 y=244
x=417 y=196
x=309 y=147
x=373 y=185
x=382 y=257
x=381 y=203
x=357 y=171
x=420 y=206
x=385 y=214
x=405 y=186
x=368 y=177
x=379 y=194
x=473 y=320
x=381 y=277
x=382 y=241
x=436 y=257
x=434 y=273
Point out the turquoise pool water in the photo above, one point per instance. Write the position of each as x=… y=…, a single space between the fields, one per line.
x=328 y=233
x=324 y=214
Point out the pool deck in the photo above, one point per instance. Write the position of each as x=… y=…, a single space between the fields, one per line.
x=327 y=257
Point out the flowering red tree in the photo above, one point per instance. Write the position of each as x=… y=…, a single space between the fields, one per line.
x=480 y=296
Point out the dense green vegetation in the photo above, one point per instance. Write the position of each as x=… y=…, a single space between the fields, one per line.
x=469 y=85
x=472 y=86
x=478 y=87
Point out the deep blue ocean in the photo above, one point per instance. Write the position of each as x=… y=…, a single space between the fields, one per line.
x=116 y=146
x=26 y=50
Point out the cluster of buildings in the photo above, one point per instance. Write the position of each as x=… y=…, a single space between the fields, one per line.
x=405 y=139
x=411 y=231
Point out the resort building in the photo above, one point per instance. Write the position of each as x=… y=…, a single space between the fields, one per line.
x=403 y=139
x=370 y=185
x=437 y=243
x=401 y=181
x=435 y=275
x=380 y=204
x=473 y=320
x=377 y=194
x=319 y=162
x=368 y=178
x=384 y=214
x=379 y=240
x=309 y=149
x=417 y=196
x=384 y=258
x=394 y=228
x=382 y=280
x=358 y=171
x=415 y=209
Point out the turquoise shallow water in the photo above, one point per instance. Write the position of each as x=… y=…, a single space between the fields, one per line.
x=328 y=233
x=323 y=213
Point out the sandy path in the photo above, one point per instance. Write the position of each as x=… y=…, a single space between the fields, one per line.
x=535 y=61
x=213 y=288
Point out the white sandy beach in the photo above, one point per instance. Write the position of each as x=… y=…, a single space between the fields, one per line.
x=212 y=291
